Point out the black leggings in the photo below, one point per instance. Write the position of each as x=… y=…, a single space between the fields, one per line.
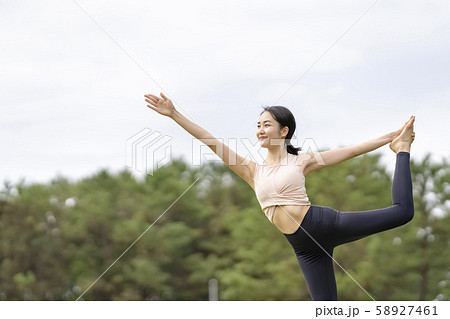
x=331 y=228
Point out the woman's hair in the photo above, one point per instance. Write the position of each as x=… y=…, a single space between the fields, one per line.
x=285 y=118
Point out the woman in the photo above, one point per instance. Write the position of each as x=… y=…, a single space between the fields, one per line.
x=279 y=184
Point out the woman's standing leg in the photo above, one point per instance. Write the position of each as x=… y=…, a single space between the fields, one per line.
x=317 y=267
x=314 y=252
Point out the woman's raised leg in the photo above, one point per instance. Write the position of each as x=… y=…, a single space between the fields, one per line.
x=351 y=226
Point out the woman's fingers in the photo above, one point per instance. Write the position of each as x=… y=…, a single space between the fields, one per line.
x=163 y=105
x=150 y=102
x=410 y=121
x=152 y=107
x=153 y=97
x=406 y=123
x=153 y=102
x=150 y=99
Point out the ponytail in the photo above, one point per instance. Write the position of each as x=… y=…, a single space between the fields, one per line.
x=290 y=148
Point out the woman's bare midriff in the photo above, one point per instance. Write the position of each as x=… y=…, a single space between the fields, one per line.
x=284 y=222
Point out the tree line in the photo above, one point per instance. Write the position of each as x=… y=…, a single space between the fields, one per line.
x=58 y=238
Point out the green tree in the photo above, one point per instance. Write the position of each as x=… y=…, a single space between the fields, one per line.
x=58 y=238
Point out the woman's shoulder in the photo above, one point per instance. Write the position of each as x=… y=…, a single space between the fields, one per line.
x=303 y=159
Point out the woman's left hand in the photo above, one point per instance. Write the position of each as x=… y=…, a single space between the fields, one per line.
x=399 y=131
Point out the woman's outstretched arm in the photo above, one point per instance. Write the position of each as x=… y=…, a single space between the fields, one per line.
x=373 y=144
x=237 y=163
x=327 y=158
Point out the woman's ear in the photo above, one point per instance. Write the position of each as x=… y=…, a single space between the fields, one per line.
x=285 y=131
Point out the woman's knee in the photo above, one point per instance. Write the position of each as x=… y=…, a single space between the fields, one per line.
x=407 y=213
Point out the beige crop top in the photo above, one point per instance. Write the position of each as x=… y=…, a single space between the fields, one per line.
x=280 y=184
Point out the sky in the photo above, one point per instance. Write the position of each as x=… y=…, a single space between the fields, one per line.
x=73 y=75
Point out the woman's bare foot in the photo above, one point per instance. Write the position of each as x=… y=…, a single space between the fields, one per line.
x=402 y=143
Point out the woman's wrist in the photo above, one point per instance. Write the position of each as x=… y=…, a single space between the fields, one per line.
x=391 y=136
x=175 y=114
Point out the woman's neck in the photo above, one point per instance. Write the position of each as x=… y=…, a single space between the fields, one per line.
x=275 y=156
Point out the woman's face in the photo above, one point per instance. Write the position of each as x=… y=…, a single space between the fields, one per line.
x=268 y=133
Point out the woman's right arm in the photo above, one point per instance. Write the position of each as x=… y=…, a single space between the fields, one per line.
x=242 y=167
